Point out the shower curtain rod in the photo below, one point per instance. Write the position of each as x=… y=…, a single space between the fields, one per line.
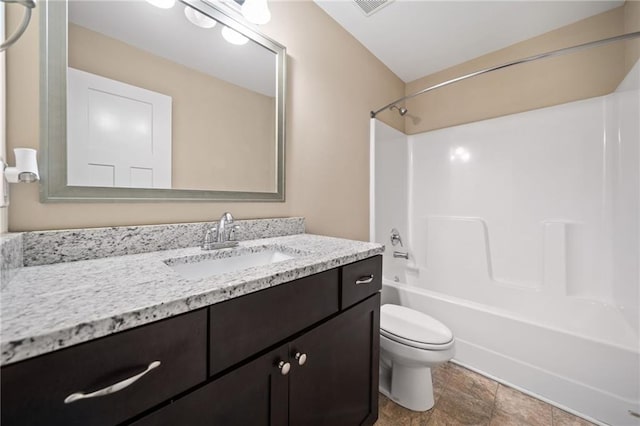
x=551 y=54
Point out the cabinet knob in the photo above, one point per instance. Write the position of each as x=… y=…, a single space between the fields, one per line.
x=284 y=367
x=301 y=358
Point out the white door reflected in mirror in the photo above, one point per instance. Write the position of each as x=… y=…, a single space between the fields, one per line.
x=119 y=135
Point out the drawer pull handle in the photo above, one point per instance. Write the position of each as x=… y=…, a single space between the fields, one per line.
x=365 y=280
x=301 y=358
x=284 y=367
x=116 y=387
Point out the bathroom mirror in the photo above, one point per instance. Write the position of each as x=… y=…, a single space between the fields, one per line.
x=141 y=102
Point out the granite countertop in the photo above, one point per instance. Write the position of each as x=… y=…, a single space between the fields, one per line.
x=49 y=307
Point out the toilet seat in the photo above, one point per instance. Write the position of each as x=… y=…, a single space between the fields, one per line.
x=413 y=328
x=417 y=345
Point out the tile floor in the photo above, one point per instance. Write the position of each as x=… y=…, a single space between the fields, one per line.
x=464 y=397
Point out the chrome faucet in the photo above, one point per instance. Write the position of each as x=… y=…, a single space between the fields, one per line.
x=225 y=221
x=222 y=234
x=395 y=240
x=401 y=254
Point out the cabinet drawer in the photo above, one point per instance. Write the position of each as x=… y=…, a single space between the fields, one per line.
x=244 y=326
x=34 y=391
x=360 y=280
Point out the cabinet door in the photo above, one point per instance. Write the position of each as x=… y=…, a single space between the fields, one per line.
x=338 y=382
x=254 y=394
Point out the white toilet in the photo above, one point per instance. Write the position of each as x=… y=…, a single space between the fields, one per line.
x=411 y=343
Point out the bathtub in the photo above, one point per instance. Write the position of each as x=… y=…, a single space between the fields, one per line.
x=573 y=364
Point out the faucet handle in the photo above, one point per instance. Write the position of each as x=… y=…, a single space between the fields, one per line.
x=232 y=232
x=210 y=238
x=395 y=237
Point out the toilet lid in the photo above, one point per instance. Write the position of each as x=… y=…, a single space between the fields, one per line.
x=412 y=325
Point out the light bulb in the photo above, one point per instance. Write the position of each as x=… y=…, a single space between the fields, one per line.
x=233 y=36
x=256 y=11
x=198 y=18
x=162 y=4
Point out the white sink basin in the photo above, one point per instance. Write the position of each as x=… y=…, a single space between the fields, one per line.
x=210 y=267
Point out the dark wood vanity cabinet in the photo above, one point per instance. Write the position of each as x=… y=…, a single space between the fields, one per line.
x=331 y=379
x=301 y=353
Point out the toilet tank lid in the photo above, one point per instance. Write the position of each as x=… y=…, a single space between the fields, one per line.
x=413 y=325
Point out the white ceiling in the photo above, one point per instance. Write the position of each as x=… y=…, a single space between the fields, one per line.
x=168 y=33
x=418 y=38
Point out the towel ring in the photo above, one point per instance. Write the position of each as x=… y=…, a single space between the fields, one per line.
x=28 y=5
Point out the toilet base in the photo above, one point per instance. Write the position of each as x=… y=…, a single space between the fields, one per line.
x=409 y=387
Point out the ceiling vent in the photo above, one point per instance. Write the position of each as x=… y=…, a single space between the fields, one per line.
x=369 y=7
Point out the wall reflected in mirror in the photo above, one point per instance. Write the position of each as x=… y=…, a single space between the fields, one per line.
x=167 y=98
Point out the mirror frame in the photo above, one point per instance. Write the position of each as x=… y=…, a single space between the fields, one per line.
x=53 y=117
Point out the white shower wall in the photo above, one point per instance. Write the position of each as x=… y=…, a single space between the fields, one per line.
x=529 y=200
x=533 y=217
x=390 y=192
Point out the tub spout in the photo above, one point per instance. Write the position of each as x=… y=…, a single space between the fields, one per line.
x=401 y=254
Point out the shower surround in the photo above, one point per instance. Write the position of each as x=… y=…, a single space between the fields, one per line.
x=523 y=237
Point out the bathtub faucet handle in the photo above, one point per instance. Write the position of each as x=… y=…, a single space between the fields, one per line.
x=395 y=238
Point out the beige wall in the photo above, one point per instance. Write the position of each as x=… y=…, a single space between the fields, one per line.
x=581 y=75
x=223 y=134
x=333 y=83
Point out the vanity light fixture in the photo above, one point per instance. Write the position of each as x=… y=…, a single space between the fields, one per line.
x=25 y=171
x=256 y=11
x=28 y=5
x=198 y=18
x=234 y=37
x=162 y=4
